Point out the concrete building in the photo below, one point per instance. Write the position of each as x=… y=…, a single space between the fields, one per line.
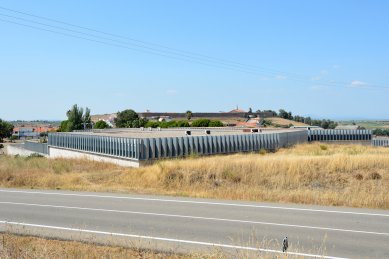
x=139 y=147
x=25 y=132
x=33 y=132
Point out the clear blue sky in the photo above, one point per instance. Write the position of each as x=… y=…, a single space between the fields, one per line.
x=300 y=47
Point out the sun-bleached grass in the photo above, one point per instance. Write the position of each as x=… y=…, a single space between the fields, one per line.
x=23 y=247
x=35 y=247
x=322 y=174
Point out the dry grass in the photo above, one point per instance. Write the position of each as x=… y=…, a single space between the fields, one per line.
x=285 y=122
x=341 y=175
x=12 y=246
x=31 y=247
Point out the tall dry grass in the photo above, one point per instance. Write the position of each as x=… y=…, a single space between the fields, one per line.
x=32 y=247
x=341 y=175
x=23 y=247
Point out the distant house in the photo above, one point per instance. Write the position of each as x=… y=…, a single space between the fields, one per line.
x=32 y=132
x=25 y=132
x=250 y=123
x=348 y=127
x=165 y=118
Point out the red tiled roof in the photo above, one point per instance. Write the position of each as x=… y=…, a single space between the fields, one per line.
x=38 y=129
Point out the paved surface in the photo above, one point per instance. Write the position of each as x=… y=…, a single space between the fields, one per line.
x=182 y=224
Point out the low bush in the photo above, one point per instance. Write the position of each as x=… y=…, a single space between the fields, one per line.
x=201 y=123
x=215 y=123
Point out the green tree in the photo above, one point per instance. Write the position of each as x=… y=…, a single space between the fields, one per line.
x=78 y=119
x=308 y=120
x=189 y=115
x=332 y=125
x=381 y=132
x=325 y=124
x=5 y=129
x=274 y=113
x=290 y=116
x=124 y=119
x=63 y=127
x=283 y=114
x=87 y=119
x=101 y=125
x=137 y=123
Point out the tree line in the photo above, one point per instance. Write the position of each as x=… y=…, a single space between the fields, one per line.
x=325 y=124
x=80 y=119
x=381 y=132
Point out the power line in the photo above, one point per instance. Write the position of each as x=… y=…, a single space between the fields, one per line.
x=140 y=41
x=120 y=46
x=157 y=49
x=225 y=62
x=132 y=39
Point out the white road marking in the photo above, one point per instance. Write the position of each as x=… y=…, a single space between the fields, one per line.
x=166 y=239
x=196 y=217
x=195 y=202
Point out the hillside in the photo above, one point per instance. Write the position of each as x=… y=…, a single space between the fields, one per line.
x=284 y=122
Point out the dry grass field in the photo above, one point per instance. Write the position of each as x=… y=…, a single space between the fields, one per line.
x=30 y=247
x=322 y=174
x=23 y=247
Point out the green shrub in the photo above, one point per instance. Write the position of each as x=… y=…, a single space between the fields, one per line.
x=216 y=123
x=101 y=125
x=13 y=138
x=267 y=123
x=200 y=123
x=168 y=124
x=182 y=124
x=152 y=124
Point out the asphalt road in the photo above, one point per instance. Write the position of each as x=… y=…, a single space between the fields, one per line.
x=241 y=229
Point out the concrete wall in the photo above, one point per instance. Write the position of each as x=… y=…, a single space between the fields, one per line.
x=380 y=142
x=104 y=145
x=157 y=148
x=136 y=152
x=340 y=135
x=36 y=147
x=287 y=139
x=18 y=149
x=56 y=152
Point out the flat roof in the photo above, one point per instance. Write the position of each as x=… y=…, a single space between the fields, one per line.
x=174 y=132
